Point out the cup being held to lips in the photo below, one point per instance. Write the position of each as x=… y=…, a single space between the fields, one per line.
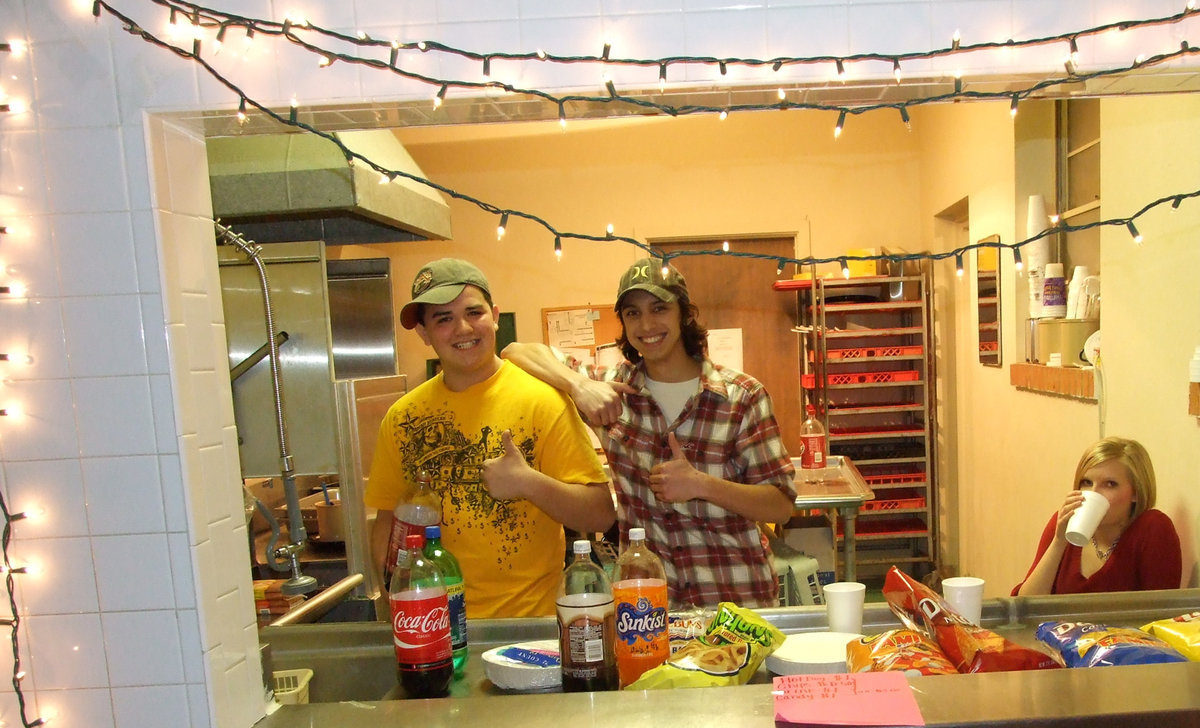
x=1086 y=518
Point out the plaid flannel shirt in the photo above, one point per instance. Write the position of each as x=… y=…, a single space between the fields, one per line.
x=728 y=430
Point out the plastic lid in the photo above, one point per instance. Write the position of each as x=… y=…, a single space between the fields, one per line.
x=637 y=534
x=414 y=541
x=433 y=532
x=582 y=546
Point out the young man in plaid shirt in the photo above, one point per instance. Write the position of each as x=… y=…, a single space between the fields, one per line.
x=694 y=448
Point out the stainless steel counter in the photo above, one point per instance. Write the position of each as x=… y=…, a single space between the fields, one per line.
x=360 y=656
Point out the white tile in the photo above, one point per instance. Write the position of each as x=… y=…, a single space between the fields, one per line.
x=452 y=11
x=69 y=650
x=154 y=333
x=187 y=159
x=808 y=32
x=646 y=36
x=159 y=666
x=197 y=317
x=198 y=705
x=702 y=5
x=123 y=495
x=726 y=33
x=160 y=706
x=255 y=70
x=206 y=569
x=75 y=84
x=65 y=584
x=163 y=401
x=189 y=640
x=115 y=417
x=233 y=613
x=187 y=255
x=46 y=429
x=371 y=13
x=173 y=495
x=1036 y=19
x=85 y=169
x=300 y=75
x=55 y=487
x=137 y=166
x=92 y=708
x=28 y=256
x=182 y=574
x=988 y=21
x=23 y=184
x=617 y=8
x=149 y=77
x=556 y=9
x=133 y=572
x=232 y=551
x=104 y=336
x=896 y=28
x=33 y=328
x=145 y=251
x=95 y=253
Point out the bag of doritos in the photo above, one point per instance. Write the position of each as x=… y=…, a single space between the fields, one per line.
x=970 y=648
x=1083 y=644
x=1182 y=633
x=898 y=649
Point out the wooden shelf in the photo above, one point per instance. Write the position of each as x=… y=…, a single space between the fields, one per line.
x=1194 y=398
x=1064 y=381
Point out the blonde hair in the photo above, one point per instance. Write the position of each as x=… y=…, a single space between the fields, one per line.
x=1136 y=460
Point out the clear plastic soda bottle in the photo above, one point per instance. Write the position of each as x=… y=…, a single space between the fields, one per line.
x=586 y=628
x=420 y=623
x=640 y=594
x=813 y=447
x=453 y=579
x=421 y=508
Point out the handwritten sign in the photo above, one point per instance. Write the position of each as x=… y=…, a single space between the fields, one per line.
x=866 y=698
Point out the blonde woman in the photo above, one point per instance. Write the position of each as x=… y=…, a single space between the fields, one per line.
x=1135 y=547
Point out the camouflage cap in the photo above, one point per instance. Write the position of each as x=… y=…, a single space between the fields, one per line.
x=648 y=275
x=440 y=282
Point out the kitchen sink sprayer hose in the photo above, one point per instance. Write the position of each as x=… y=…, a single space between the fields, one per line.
x=286 y=557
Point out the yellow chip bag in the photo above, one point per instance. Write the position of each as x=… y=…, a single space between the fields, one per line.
x=1182 y=633
x=728 y=653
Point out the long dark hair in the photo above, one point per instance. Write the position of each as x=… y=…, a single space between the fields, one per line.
x=693 y=334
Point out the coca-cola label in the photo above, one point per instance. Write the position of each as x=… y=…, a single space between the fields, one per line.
x=421 y=629
x=640 y=621
x=812 y=452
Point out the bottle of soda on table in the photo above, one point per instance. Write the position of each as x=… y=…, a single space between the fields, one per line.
x=452 y=577
x=640 y=595
x=421 y=508
x=420 y=623
x=586 y=628
x=813 y=447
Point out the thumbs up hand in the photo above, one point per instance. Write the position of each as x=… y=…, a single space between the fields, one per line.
x=503 y=475
x=676 y=481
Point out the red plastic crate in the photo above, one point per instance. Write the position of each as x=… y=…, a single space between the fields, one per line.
x=808 y=381
x=872 y=351
x=894 y=478
x=905 y=498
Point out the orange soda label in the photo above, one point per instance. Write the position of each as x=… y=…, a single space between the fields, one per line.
x=643 y=640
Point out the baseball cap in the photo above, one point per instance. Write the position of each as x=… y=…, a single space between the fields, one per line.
x=440 y=282
x=647 y=275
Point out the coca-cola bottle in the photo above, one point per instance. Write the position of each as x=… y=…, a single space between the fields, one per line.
x=421 y=508
x=420 y=623
x=813 y=447
x=586 y=625
x=453 y=579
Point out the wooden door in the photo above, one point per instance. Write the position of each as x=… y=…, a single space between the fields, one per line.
x=733 y=292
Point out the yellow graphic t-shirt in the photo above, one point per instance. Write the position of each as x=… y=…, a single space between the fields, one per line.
x=511 y=552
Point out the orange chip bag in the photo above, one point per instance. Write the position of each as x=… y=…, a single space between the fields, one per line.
x=970 y=648
x=1182 y=633
x=898 y=649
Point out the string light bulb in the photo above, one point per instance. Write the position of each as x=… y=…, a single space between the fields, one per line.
x=1175 y=204
x=845 y=265
x=604 y=53
x=558 y=247
x=666 y=269
x=840 y=67
x=440 y=97
x=723 y=115
x=1073 y=54
x=612 y=88
x=541 y=54
x=776 y=66
x=502 y=227
x=779 y=268
x=721 y=66
x=1133 y=232
x=241 y=112
x=662 y=77
x=324 y=60
x=904 y=117
x=562 y=115
x=725 y=246
x=955 y=40
x=1012 y=108
x=487 y=66
x=896 y=69
x=608 y=230
x=1018 y=264
x=841 y=123
x=958 y=265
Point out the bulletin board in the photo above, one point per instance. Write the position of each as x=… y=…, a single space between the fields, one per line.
x=580 y=328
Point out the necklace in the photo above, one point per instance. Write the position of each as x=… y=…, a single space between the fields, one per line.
x=1103 y=555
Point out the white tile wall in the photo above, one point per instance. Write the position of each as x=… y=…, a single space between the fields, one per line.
x=128 y=447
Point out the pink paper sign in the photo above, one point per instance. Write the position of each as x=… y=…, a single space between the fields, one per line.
x=865 y=698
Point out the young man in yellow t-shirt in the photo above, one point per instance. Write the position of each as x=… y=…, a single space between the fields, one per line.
x=507 y=454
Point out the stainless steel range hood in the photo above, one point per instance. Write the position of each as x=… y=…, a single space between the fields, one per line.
x=286 y=187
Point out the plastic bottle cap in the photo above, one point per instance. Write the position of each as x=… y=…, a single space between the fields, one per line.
x=414 y=541
x=582 y=546
x=433 y=532
x=637 y=534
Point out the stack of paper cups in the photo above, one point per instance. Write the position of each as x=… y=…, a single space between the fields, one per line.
x=1037 y=253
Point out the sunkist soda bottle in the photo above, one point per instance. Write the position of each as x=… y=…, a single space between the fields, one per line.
x=640 y=594
x=586 y=628
x=813 y=447
x=420 y=623
x=421 y=508
x=453 y=579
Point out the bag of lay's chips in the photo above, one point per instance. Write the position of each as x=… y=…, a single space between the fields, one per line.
x=728 y=653
x=1083 y=644
x=1182 y=633
x=898 y=649
x=970 y=648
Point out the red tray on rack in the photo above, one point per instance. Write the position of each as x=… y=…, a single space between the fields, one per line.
x=871 y=352
x=900 y=498
x=894 y=478
x=880 y=430
x=808 y=381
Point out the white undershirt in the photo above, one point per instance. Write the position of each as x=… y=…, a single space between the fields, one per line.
x=672 y=396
